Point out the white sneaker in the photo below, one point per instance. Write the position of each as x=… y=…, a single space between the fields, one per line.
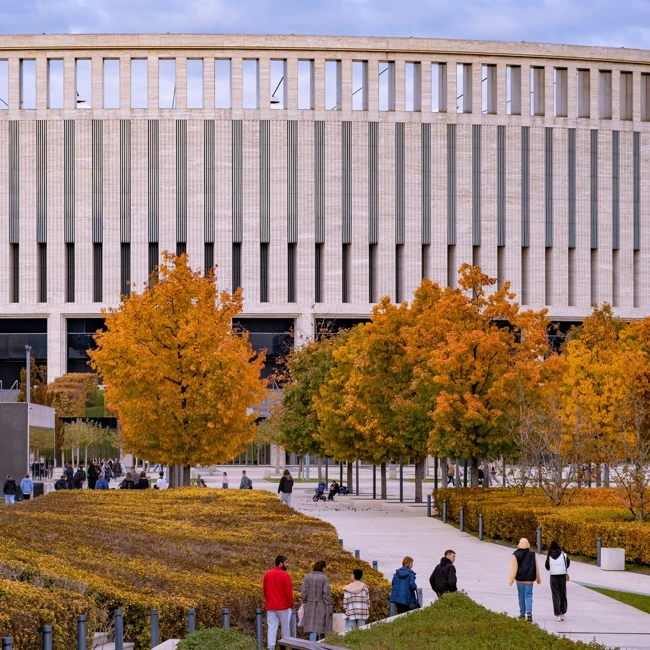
x=559 y=618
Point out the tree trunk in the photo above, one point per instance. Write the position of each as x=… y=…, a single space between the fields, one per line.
x=444 y=468
x=383 y=481
x=474 y=471
x=179 y=478
x=606 y=475
x=419 y=471
x=350 y=477
x=86 y=457
x=300 y=467
x=597 y=474
x=320 y=469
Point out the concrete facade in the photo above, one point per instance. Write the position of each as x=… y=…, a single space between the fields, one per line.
x=554 y=203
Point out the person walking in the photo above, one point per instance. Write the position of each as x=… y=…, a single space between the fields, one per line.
x=245 y=483
x=278 y=597
x=404 y=592
x=9 y=489
x=451 y=468
x=102 y=482
x=318 y=617
x=224 y=481
x=356 y=601
x=557 y=563
x=161 y=483
x=443 y=578
x=27 y=487
x=286 y=487
x=524 y=570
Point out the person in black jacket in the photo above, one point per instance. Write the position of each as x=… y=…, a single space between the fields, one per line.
x=443 y=578
x=143 y=482
x=524 y=570
x=127 y=483
x=286 y=487
x=79 y=478
x=62 y=483
x=93 y=475
x=9 y=489
x=69 y=473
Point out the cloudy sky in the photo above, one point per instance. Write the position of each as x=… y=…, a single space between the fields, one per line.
x=624 y=23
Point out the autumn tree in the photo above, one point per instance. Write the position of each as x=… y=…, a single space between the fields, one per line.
x=180 y=381
x=472 y=347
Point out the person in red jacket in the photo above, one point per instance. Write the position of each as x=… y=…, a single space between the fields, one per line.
x=278 y=594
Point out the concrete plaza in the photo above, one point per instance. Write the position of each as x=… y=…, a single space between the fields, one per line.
x=483 y=567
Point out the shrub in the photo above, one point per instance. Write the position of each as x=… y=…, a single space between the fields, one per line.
x=454 y=622
x=85 y=381
x=509 y=515
x=217 y=639
x=172 y=550
x=68 y=400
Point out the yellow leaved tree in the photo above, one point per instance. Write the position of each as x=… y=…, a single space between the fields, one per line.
x=180 y=381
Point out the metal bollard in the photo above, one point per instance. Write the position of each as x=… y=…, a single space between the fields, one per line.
x=599 y=546
x=191 y=621
x=119 y=630
x=293 y=623
x=444 y=511
x=258 y=629
x=154 y=628
x=340 y=541
x=539 y=540
x=357 y=554
x=7 y=643
x=420 y=597
x=81 y=632
x=428 y=505
x=375 y=566
x=47 y=637
x=462 y=519
x=225 y=618
x=480 y=527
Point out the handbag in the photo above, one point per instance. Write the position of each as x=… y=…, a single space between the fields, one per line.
x=301 y=615
x=415 y=603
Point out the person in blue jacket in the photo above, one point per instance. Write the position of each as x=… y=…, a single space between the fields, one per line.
x=102 y=483
x=27 y=487
x=404 y=592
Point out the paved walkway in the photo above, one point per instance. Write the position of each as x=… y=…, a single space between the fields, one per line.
x=482 y=567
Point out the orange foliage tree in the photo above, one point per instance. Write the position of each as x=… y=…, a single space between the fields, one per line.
x=181 y=382
x=471 y=348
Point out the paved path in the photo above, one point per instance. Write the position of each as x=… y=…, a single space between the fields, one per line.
x=482 y=568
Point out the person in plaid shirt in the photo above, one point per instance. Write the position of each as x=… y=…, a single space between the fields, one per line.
x=356 y=602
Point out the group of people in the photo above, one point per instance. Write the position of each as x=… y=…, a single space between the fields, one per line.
x=11 y=490
x=100 y=473
x=315 y=615
x=488 y=471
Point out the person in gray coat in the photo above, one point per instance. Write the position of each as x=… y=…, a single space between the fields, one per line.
x=317 y=603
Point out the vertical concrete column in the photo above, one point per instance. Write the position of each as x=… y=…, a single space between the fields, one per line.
x=572 y=92
x=13 y=71
x=594 y=83
x=41 y=84
x=400 y=85
x=373 y=86
x=125 y=82
x=549 y=91
x=452 y=87
x=345 y=70
x=616 y=95
x=636 y=95
x=181 y=82
x=152 y=82
x=425 y=86
x=208 y=83
x=477 y=87
x=69 y=84
x=236 y=83
x=319 y=84
x=501 y=88
x=291 y=83
x=264 y=83
x=525 y=90
x=97 y=84
x=56 y=346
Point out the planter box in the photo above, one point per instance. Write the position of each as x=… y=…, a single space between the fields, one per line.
x=612 y=559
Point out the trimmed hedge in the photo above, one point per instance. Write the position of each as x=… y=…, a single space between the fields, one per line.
x=86 y=382
x=171 y=550
x=509 y=515
x=454 y=622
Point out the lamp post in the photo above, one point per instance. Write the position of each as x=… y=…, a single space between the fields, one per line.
x=28 y=391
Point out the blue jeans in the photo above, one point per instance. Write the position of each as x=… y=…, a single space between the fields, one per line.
x=10 y=498
x=525 y=593
x=353 y=623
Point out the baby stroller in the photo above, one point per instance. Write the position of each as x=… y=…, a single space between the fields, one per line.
x=319 y=494
x=344 y=491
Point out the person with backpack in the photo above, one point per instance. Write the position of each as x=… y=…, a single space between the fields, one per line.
x=286 y=487
x=9 y=489
x=128 y=483
x=102 y=483
x=557 y=563
x=525 y=572
x=404 y=591
x=62 y=483
x=443 y=578
x=79 y=478
x=27 y=487
x=245 y=483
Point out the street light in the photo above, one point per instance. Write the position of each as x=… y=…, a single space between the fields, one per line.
x=28 y=383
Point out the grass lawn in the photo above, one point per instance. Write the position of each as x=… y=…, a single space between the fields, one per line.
x=96 y=411
x=635 y=600
x=456 y=623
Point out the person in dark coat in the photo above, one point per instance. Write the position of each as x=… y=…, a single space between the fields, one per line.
x=404 y=589
x=79 y=478
x=143 y=482
x=286 y=487
x=557 y=563
x=93 y=474
x=128 y=483
x=69 y=472
x=524 y=570
x=9 y=489
x=317 y=602
x=62 y=483
x=443 y=578
x=335 y=489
